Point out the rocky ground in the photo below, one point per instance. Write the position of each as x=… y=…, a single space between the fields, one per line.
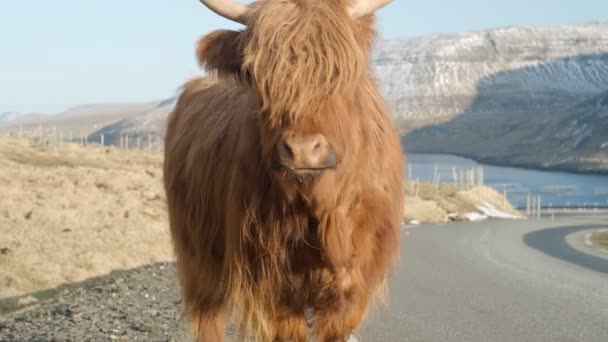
x=142 y=304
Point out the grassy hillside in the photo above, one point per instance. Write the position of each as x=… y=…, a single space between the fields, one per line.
x=428 y=202
x=69 y=213
x=600 y=239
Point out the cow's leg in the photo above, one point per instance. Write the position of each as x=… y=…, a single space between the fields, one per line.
x=204 y=301
x=337 y=323
x=292 y=327
x=208 y=326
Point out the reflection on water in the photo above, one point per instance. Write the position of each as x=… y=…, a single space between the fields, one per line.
x=557 y=189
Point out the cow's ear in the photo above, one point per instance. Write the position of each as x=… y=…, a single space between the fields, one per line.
x=219 y=51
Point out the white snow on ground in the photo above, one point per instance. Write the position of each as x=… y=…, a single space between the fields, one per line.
x=473 y=216
x=486 y=211
x=588 y=240
x=489 y=210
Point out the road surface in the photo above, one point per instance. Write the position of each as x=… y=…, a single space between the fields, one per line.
x=492 y=281
x=532 y=280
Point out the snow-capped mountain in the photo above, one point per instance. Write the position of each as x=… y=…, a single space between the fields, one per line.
x=538 y=100
x=437 y=77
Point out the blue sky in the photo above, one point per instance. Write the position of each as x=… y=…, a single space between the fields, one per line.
x=63 y=53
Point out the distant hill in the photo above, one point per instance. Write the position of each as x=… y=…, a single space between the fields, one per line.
x=101 y=112
x=546 y=108
x=533 y=97
x=148 y=123
x=8 y=117
x=84 y=119
x=575 y=138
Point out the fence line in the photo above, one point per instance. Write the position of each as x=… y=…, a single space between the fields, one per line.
x=468 y=178
x=465 y=179
x=58 y=136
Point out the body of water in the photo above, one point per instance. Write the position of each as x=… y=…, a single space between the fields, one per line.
x=557 y=189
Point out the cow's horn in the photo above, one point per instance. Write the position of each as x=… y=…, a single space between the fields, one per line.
x=228 y=9
x=360 y=8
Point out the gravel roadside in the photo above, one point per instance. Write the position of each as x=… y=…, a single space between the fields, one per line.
x=142 y=304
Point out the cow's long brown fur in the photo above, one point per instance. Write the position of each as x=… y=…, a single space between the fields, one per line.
x=265 y=245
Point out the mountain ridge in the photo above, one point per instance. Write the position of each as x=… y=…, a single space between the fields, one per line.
x=434 y=78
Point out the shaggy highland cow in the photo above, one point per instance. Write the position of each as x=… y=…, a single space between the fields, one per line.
x=283 y=174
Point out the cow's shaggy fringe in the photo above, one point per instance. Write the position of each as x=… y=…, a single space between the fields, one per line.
x=262 y=244
x=301 y=53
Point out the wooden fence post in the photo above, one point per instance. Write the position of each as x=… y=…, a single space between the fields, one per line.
x=461 y=179
x=437 y=185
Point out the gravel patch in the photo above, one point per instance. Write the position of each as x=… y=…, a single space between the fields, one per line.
x=142 y=304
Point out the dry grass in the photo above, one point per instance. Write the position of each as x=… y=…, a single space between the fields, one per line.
x=70 y=213
x=428 y=202
x=600 y=239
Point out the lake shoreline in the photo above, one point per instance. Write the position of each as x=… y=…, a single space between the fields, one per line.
x=558 y=187
x=525 y=166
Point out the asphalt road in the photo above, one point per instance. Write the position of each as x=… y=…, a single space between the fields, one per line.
x=498 y=280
